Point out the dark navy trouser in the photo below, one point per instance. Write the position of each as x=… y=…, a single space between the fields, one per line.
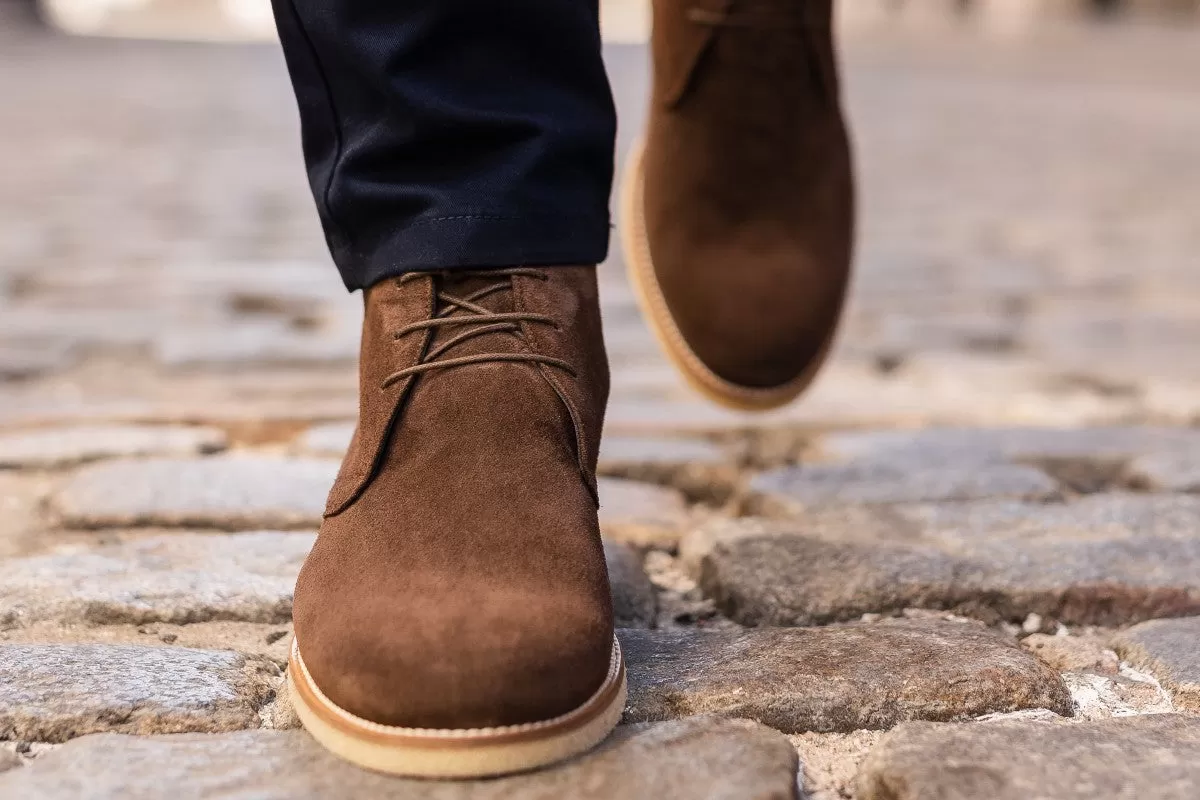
x=445 y=134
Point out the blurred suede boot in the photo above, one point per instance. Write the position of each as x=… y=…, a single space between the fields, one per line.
x=454 y=617
x=737 y=214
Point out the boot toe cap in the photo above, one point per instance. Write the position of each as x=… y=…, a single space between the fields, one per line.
x=497 y=662
x=764 y=334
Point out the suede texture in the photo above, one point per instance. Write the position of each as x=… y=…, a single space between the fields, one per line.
x=748 y=185
x=458 y=580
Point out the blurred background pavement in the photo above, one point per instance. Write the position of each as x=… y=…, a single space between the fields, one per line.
x=1028 y=251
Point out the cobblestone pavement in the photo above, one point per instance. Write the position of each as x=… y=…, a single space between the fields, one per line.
x=978 y=539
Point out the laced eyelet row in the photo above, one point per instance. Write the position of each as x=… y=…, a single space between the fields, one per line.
x=478 y=320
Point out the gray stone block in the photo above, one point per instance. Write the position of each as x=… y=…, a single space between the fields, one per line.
x=55 y=692
x=836 y=679
x=1105 y=559
x=700 y=759
x=795 y=489
x=634 y=602
x=56 y=447
x=1170 y=650
x=233 y=492
x=1154 y=757
x=641 y=514
x=178 y=578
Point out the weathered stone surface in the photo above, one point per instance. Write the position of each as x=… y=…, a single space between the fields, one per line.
x=249 y=342
x=1166 y=472
x=280 y=714
x=696 y=466
x=19 y=363
x=228 y=492
x=57 y=447
x=963 y=446
x=835 y=679
x=8 y=760
x=929 y=390
x=793 y=490
x=1154 y=757
x=641 y=514
x=261 y=640
x=330 y=439
x=1074 y=653
x=1105 y=559
x=637 y=457
x=1125 y=694
x=634 y=601
x=52 y=692
x=202 y=398
x=831 y=761
x=177 y=578
x=1169 y=650
x=22 y=521
x=680 y=600
x=655 y=416
x=704 y=759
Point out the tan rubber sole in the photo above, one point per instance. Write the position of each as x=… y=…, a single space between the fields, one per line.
x=636 y=248
x=450 y=753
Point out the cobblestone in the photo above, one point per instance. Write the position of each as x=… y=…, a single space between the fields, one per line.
x=982 y=446
x=176 y=578
x=1074 y=653
x=228 y=492
x=1152 y=757
x=20 y=362
x=53 y=693
x=634 y=603
x=836 y=679
x=1126 y=694
x=699 y=468
x=1105 y=560
x=1170 y=651
x=698 y=758
x=330 y=439
x=830 y=762
x=66 y=446
x=1166 y=472
x=263 y=641
x=794 y=490
x=22 y=527
x=641 y=514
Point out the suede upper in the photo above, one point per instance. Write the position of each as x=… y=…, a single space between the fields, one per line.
x=458 y=580
x=748 y=189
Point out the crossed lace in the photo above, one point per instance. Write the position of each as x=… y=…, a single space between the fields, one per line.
x=479 y=320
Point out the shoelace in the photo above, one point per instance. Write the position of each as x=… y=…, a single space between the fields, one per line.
x=480 y=320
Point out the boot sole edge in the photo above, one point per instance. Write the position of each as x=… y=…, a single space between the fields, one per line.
x=457 y=753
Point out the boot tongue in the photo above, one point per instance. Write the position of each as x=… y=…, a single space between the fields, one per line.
x=499 y=301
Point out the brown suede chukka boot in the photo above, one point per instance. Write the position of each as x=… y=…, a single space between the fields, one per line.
x=454 y=617
x=737 y=215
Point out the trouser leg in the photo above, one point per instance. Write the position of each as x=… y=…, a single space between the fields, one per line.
x=444 y=134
